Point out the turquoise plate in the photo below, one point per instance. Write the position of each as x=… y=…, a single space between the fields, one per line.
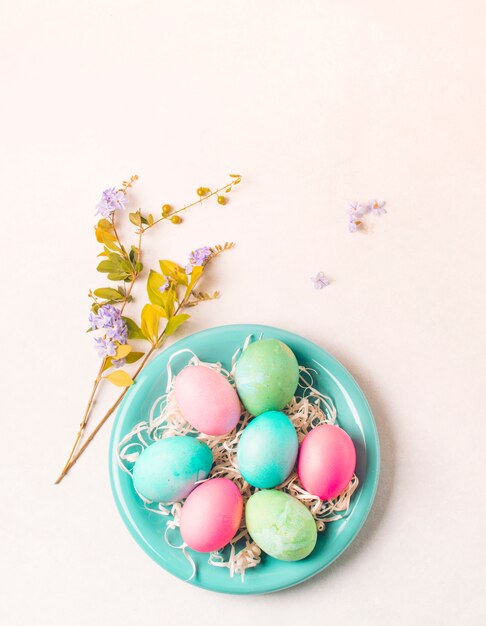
x=354 y=415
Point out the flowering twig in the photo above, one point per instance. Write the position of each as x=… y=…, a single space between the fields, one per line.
x=158 y=342
x=162 y=289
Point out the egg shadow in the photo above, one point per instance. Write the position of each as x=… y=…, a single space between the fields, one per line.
x=385 y=485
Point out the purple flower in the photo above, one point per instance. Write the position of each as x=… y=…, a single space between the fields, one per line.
x=105 y=347
x=320 y=280
x=118 y=332
x=200 y=256
x=119 y=363
x=356 y=209
x=197 y=258
x=111 y=200
x=376 y=207
x=109 y=319
x=165 y=286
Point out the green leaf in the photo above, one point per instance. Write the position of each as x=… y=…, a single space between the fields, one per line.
x=108 y=293
x=134 y=356
x=120 y=378
x=134 y=331
x=135 y=219
x=117 y=276
x=174 y=323
x=150 y=322
x=107 y=267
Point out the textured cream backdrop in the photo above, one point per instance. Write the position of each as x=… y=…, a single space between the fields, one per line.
x=315 y=103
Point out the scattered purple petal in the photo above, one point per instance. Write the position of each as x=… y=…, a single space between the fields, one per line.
x=111 y=200
x=320 y=280
x=376 y=207
x=356 y=209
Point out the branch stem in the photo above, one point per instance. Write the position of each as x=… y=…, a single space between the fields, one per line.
x=83 y=423
x=158 y=344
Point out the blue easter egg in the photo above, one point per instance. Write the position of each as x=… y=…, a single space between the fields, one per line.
x=168 y=470
x=267 y=450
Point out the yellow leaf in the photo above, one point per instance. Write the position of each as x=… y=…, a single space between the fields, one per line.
x=195 y=276
x=120 y=378
x=122 y=352
x=105 y=224
x=150 y=322
x=154 y=282
x=174 y=323
x=108 y=239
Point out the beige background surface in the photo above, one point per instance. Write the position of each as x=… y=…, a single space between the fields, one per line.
x=315 y=103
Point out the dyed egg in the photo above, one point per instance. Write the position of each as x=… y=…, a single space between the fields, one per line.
x=327 y=461
x=267 y=450
x=207 y=400
x=211 y=515
x=280 y=525
x=168 y=469
x=267 y=375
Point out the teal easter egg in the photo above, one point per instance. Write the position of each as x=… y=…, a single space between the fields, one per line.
x=266 y=376
x=280 y=525
x=267 y=450
x=169 y=469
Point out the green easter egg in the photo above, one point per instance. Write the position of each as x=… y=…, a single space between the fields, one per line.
x=280 y=525
x=267 y=375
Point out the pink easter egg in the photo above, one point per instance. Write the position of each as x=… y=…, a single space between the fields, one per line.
x=207 y=400
x=327 y=461
x=211 y=515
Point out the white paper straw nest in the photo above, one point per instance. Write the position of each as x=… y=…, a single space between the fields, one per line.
x=306 y=411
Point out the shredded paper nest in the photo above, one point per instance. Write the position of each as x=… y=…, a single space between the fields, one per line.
x=306 y=411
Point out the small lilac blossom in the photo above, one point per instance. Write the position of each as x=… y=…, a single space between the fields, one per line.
x=111 y=200
x=376 y=207
x=165 y=286
x=118 y=332
x=93 y=320
x=356 y=209
x=119 y=363
x=105 y=347
x=200 y=256
x=320 y=280
x=109 y=319
x=354 y=225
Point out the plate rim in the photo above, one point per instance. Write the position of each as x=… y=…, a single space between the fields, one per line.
x=249 y=329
